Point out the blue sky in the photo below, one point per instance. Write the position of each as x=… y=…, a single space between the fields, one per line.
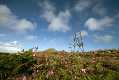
x=51 y=23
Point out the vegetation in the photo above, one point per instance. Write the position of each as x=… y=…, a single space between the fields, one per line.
x=14 y=65
x=98 y=65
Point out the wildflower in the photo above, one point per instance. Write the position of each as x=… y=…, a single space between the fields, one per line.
x=50 y=73
x=94 y=58
x=75 y=77
x=93 y=62
x=24 y=78
x=83 y=70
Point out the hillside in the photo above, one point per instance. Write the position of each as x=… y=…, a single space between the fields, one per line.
x=60 y=65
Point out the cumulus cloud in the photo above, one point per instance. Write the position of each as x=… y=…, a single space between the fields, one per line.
x=23 y=25
x=95 y=5
x=98 y=24
x=82 y=5
x=103 y=39
x=6 y=16
x=99 y=9
x=10 y=21
x=60 y=22
x=10 y=47
x=57 y=22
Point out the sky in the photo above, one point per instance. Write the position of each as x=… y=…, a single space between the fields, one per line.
x=51 y=24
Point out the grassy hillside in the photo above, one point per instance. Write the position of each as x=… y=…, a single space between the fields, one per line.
x=60 y=65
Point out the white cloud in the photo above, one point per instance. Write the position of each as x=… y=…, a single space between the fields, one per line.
x=48 y=11
x=23 y=25
x=10 y=47
x=82 y=5
x=83 y=33
x=6 y=17
x=48 y=16
x=98 y=24
x=31 y=37
x=103 y=39
x=10 y=21
x=46 y=5
x=60 y=22
x=57 y=22
x=99 y=9
x=5 y=10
